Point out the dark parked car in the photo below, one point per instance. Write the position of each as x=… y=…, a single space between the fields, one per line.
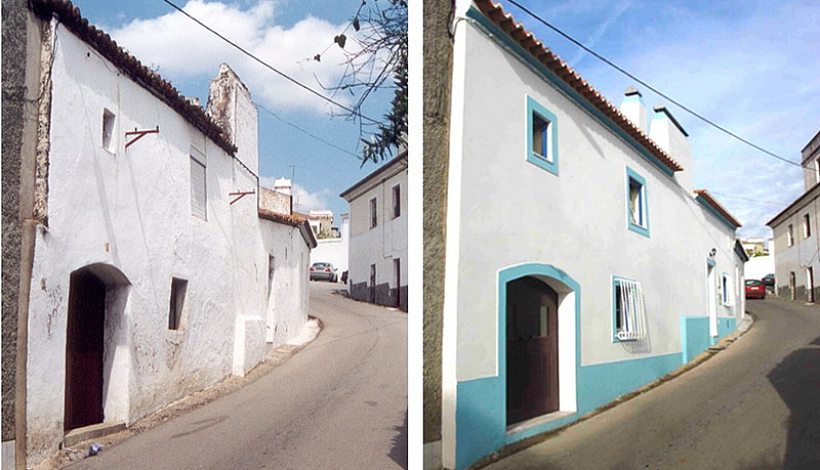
x=323 y=272
x=768 y=280
x=755 y=289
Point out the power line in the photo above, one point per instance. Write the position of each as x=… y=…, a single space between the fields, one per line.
x=760 y=201
x=660 y=93
x=265 y=64
x=331 y=144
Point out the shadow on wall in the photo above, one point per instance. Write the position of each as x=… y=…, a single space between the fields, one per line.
x=797 y=380
x=398 y=449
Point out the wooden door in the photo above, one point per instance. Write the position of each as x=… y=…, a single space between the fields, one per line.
x=84 y=351
x=532 y=349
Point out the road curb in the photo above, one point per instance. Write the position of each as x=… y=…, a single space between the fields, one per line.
x=273 y=359
x=506 y=451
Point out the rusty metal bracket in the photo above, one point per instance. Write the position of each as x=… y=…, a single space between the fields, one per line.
x=139 y=135
x=239 y=195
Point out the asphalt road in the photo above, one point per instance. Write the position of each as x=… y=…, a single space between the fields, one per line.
x=339 y=403
x=755 y=405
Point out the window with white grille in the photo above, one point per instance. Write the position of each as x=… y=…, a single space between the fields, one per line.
x=199 y=198
x=629 y=322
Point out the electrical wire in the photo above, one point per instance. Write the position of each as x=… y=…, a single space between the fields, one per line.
x=647 y=85
x=331 y=144
x=270 y=67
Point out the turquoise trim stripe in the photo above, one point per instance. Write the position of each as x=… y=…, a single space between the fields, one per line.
x=550 y=138
x=633 y=99
x=709 y=208
x=643 y=201
x=546 y=73
x=599 y=384
x=695 y=338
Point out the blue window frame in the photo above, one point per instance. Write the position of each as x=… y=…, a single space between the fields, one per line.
x=542 y=137
x=628 y=310
x=637 y=203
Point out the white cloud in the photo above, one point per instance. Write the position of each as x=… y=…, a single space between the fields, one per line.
x=183 y=49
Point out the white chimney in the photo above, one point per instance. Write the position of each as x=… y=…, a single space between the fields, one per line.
x=633 y=108
x=667 y=132
x=283 y=185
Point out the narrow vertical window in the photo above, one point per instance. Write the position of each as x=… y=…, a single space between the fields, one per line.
x=396 y=201
x=790 y=235
x=628 y=310
x=108 y=141
x=372 y=293
x=636 y=203
x=542 y=134
x=373 y=218
x=726 y=294
x=199 y=197
x=397 y=279
x=806 y=226
x=810 y=284
x=178 y=290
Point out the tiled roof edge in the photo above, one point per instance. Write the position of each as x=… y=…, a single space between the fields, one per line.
x=718 y=207
x=526 y=40
x=70 y=17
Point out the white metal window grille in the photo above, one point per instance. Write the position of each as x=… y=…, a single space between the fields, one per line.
x=630 y=311
x=199 y=198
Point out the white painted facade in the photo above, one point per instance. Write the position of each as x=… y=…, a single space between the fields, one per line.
x=381 y=245
x=505 y=214
x=334 y=250
x=759 y=266
x=127 y=213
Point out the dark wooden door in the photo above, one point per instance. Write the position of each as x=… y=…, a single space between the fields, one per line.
x=532 y=349
x=84 y=351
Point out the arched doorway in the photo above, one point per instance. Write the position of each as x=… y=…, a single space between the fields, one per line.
x=532 y=349
x=96 y=301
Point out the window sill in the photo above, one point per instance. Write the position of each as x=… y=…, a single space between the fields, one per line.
x=638 y=229
x=543 y=163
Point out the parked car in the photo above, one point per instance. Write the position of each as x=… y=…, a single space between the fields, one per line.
x=323 y=272
x=768 y=280
x=755 y=289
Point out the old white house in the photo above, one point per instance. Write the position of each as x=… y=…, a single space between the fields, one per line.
x=157 y=268
x=796 y=246
x=580 y=262
x=377 y=251
x=334 y=248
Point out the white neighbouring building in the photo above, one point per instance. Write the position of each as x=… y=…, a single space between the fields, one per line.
x=377 y=250
x=158 y=270
x=580 y=263
x=796 y=242
x=334 y=250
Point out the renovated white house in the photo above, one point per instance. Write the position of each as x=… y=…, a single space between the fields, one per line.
x=158 y=269
x=580 y=262
x=796 y=248
x=377 y=251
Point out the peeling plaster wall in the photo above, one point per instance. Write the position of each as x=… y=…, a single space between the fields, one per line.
x=131 y=211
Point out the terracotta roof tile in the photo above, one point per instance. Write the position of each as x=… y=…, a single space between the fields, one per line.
x=518 y=33
x=70 y=17
x=709 y=199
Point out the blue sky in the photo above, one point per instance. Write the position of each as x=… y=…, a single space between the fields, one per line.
x=286 y=34
x=751 y=66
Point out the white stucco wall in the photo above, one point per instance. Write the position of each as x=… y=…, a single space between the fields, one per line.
x=383 y=243
x=759 y=266
x=503 y=210
x=803 y=253
x=131 y=210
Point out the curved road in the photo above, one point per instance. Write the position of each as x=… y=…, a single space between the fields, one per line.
x=339 y=403
x=754 y=405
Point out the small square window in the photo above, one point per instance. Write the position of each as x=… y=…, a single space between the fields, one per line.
x=396 y=201
x=178 y=289
x=108 y=141
x=637 y=204
x=542 y=134
x=373 y=214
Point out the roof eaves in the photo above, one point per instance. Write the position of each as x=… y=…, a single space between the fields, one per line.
x=544 y=56
x=814 y=191
x=69 y=16
x=704 y=197
x=399 y=160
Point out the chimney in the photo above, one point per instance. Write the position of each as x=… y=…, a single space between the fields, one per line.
x=283 y=185
x=633 y=108
x=231 y=107
x=667 y=132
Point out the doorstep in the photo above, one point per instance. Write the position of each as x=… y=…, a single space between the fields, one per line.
x=85 y=433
